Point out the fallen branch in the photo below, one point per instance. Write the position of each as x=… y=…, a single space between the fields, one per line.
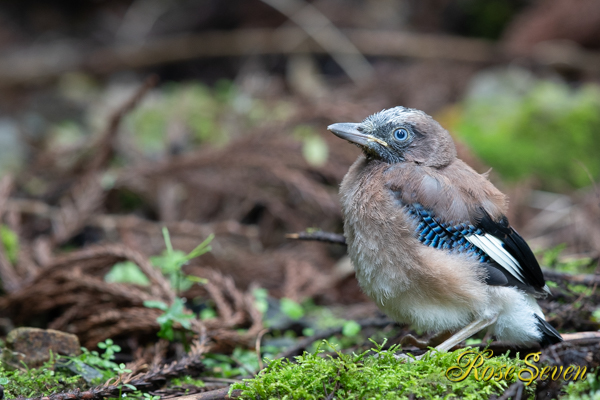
x=37 y=64
x=42 y=64
x=582 y=279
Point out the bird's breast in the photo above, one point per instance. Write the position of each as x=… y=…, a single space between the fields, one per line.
x=378 y=232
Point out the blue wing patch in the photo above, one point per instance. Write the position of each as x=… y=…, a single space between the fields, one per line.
x=445 y=236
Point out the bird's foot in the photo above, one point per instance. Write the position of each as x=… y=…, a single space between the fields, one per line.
x=410 y=340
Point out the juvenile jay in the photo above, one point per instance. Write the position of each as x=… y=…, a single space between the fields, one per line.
x=429 y=238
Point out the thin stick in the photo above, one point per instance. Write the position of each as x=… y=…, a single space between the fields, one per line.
x=105 y=143
x=257 y=348
x=318 y=236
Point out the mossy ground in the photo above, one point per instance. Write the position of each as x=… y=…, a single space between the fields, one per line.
x=373 y=375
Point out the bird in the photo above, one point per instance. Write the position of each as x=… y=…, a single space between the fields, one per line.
x=429 y=238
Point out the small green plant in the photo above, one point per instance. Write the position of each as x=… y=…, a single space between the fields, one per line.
x=120 y=370
x=176 y=313
x=171 y=261
x=170 y=264
x=102 y=364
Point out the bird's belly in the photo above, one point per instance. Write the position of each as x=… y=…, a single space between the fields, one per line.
x=409 y=302
x=408 y=289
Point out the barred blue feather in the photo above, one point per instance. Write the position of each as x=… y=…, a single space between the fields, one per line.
x=445 y=236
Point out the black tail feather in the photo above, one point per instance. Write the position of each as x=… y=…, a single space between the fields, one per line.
x=550 y=335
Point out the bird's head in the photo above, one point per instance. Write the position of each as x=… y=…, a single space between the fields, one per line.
x=400 y=135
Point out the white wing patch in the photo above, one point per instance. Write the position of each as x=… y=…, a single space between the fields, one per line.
x=494 y=248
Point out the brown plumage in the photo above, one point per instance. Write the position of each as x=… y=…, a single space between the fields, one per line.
x=428 y=237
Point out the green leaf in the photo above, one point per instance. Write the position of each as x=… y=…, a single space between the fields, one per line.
x=174 y=313
x=290 y=308
x=10 y=241
x=208 y=313
x=308 y=331
x=201 y=248
x=315 y=150
x=127 y=272
x=260 y=299
x=351 y=328
x=196 y=279
x=167 y=239
x=156 y=304
x=171 y=261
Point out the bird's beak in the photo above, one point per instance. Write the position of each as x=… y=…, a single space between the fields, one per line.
x=350 y=132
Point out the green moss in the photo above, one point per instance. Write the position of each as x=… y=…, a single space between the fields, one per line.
x=33 y=382
x=588 y=389
x=351 y=376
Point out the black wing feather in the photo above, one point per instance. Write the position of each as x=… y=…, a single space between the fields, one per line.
x=516 y=246
x=550 y=335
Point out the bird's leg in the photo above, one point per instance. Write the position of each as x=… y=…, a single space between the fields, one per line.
x=487 y=337
x=466 y=332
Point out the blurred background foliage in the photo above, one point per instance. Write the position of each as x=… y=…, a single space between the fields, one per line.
x=528 y=127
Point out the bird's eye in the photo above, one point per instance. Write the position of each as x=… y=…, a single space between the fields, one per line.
x=401 y=134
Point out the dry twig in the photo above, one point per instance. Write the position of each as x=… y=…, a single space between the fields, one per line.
x=320 y=236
